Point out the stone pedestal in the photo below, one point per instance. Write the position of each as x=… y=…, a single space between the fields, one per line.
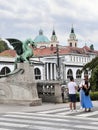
x=20 y=87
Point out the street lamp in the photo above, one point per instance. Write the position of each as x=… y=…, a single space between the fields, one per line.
x=58 y=63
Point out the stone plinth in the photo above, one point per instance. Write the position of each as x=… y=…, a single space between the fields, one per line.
x=20 y=88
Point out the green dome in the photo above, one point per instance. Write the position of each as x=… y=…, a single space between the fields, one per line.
x=41 y=38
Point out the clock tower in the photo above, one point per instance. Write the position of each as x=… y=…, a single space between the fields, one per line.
x=72 y=41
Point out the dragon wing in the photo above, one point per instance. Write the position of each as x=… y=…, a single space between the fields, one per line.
x=17 y=45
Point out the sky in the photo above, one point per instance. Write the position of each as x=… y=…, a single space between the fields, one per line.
x=23 y=19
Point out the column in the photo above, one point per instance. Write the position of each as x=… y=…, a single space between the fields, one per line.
x=55 y=72
x=51 y=72
x=47 y=71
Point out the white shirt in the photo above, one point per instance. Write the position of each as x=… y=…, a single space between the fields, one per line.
x=72 y=87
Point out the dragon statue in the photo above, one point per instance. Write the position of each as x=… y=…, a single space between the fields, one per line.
x=23 y=49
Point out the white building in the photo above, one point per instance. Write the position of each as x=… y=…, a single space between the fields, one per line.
x=52 y=61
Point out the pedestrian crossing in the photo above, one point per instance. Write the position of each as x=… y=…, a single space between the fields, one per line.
x=66 y=111
x=55 y=119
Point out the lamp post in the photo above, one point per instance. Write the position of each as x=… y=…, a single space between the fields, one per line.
x=58 y=63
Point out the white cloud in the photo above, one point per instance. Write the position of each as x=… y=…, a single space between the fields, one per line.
x=24 y=18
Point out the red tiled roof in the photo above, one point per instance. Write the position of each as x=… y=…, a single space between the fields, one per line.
x=62 y=50
x=46 y=51
x=8 y=53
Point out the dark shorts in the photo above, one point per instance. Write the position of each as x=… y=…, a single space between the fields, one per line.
x=72 y=97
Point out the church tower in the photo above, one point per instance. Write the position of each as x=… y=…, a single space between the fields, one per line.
x=54 y=40
x=72 y=41
x=53 y=37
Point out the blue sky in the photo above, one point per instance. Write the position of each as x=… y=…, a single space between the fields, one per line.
x=24 y=18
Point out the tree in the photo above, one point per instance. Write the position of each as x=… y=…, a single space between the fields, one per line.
x=3 y=46
x=92 y=47
x=93 y=67
x=94 y=78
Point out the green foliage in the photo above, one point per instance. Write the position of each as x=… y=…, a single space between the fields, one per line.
x=77 y=96
x=3 y=46
x=93 y=67
x=94 y=77
x=93 y=95
x=92 y=47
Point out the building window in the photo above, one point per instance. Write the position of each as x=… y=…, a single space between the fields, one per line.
x=82 y=59
x=5 y=70
x=69 y=73
x=79 y=59
x=71 y=58
x=78 y=74
x=70 y=44
x=74 y=58
x=37 y=73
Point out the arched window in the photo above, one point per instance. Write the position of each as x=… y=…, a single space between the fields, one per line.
x=5 y=70
x=78 y=74
x=37 y=73
x=75 y=44
x=70 y=44
x=69 y=73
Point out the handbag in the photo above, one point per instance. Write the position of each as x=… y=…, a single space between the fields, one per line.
x=86 y=92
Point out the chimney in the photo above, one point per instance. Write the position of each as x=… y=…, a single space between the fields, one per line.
x=51 y=48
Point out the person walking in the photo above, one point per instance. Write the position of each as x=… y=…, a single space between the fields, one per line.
x=72 y=87
x=86 y=102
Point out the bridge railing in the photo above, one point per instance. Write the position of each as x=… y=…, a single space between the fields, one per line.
x=49 y=91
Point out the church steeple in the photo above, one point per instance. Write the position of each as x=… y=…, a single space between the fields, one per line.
x=53 y=37
x=40 y=32
x=53 y=33
x=54 y=40
x=72 y=41
x=72 y=30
